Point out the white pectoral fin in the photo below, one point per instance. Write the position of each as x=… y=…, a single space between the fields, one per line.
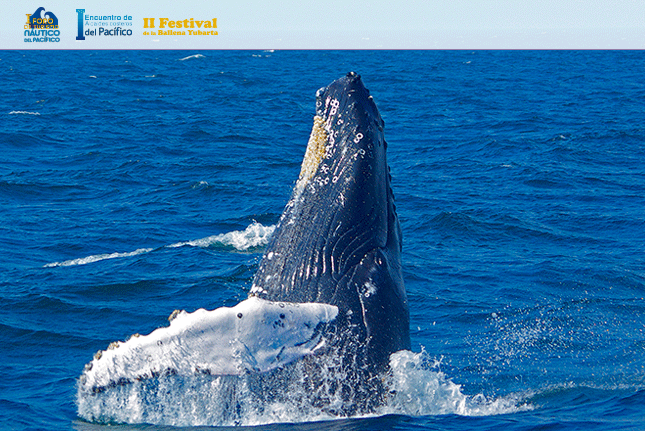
x=255 y=335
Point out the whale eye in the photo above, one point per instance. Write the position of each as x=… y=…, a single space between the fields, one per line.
x=239 y=315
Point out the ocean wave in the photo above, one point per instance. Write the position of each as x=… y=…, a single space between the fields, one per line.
x=98 y=258
x=255 y=235
x=192 y=56
x=24 y=112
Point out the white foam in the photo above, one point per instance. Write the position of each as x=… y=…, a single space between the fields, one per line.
x=24 y=112
x=414 y=387
x=255 y=235
x=98 y=258
x=192 y=56
x=418 y=388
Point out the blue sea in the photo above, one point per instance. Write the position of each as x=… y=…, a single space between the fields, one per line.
x=135 y=183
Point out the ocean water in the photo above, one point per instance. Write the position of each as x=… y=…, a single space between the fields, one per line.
x=135 y=183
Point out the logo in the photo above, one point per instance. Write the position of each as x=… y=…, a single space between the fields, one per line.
x=102 y=25
x=41 y=26
x=190 y=27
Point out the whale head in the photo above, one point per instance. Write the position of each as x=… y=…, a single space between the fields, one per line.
x=338 y=240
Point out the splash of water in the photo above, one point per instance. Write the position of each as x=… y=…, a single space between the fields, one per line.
x=419 y=388
x=255 y=235
x=413 y=386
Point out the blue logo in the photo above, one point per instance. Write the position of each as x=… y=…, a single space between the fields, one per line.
x=80 y=13
x=41 y=26
x=42 y=20
x=102 y=25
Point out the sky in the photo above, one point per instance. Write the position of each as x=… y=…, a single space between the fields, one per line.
x=338 y=24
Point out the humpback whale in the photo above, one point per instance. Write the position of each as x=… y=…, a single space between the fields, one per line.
x=327 y=306
x=338 y=240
